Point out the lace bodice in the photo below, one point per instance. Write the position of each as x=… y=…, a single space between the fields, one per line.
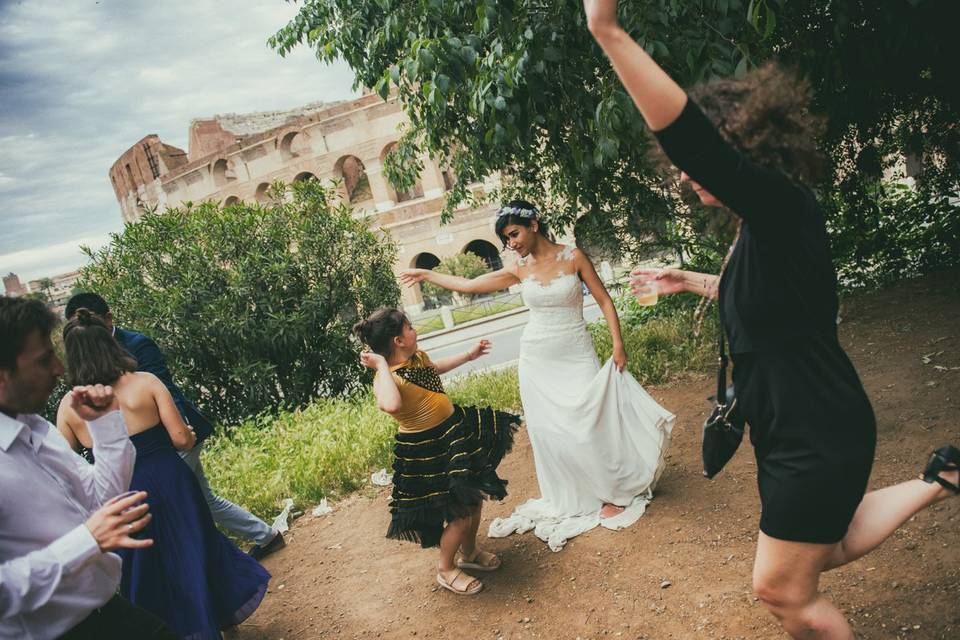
x=556 y=306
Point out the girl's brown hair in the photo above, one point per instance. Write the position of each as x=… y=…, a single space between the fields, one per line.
x=93 y=354
x=378 y=330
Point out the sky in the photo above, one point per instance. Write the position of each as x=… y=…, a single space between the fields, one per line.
x=81 y=81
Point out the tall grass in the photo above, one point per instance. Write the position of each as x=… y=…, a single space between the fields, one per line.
x=325 y=450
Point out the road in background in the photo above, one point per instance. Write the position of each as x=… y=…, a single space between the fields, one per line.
x=503 y=333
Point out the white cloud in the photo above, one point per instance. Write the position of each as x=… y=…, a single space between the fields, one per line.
x=50 y=260
x=82 y=82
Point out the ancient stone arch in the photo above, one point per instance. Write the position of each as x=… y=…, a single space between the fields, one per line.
x=222 y=172
x=304 y=175
x=231 y=200
x=293 y=144
x=487 y=251
x=396 y=195
x=261 y=193
x=356 y=184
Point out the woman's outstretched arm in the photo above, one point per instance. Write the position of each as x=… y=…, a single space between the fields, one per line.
x=659 y=99
x=487 y=283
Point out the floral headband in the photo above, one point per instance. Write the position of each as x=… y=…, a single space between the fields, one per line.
x=519 y=212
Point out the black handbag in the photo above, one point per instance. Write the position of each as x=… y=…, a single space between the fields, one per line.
x=723 y=430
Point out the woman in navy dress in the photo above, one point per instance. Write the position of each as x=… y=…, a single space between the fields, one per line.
x=748 y=145
x=192 y=577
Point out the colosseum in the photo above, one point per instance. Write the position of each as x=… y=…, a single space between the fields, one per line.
x=235 y=158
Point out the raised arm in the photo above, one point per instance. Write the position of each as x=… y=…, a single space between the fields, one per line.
x=487 y=283
x=689 y=139
x=659 y=99
x=384 y=386
x=481 y=348
x=112 y=449
x=181 y=434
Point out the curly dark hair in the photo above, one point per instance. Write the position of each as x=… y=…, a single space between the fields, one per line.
x=767 y=116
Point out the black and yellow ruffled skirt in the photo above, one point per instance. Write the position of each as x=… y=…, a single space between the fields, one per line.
x=440 y=474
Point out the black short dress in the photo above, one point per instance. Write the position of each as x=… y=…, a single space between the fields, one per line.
x=811 y=424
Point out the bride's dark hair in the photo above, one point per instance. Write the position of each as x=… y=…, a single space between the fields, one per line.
x=378 y=330
x=505 y=220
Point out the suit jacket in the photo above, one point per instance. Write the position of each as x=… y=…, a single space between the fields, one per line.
x=151 y=359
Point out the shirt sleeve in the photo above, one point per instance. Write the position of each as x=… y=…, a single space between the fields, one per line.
x=28 y=582
x=764 y=198
x=115 y=456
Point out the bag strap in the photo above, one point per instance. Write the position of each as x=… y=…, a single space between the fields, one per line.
x=721 y=369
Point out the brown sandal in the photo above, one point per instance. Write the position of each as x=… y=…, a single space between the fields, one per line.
x=481 y=561
x=460 y=584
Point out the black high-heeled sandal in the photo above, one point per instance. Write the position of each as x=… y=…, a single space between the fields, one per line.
x=946 y=458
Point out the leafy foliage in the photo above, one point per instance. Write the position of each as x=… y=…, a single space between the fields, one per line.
x=251 y=303
x=519 y=87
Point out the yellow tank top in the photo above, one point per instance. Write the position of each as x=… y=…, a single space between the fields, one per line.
x=423 y=403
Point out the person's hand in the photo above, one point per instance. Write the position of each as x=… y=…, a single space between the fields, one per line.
x=372 y=360
x=93 y=401
x=619 y=357
x=410 y=277
x=482 y=348
x=668 y=280
x=113 y=524
x=601 y=15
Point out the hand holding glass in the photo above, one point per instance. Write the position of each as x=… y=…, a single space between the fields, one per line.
x=644 y=289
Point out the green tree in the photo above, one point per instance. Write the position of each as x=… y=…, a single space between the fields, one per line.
x=252 y=303
x=465 y=265
x=519 y=87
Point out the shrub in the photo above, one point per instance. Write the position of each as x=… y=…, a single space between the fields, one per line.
x=252 y=303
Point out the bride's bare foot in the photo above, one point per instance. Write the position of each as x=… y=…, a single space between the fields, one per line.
x=610 y=510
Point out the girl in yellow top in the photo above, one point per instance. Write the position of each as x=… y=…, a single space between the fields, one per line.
x=446 y=456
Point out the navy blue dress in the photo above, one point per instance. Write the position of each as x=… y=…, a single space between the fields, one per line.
x=193 y=577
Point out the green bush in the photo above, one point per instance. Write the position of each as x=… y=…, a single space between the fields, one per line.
x=251 y=303
x=663 y=340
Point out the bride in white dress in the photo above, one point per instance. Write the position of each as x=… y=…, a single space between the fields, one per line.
x=598 y=438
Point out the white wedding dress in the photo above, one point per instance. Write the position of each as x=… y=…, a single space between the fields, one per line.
x=597 y=435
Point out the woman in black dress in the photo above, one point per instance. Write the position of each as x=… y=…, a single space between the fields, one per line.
x=811 y=424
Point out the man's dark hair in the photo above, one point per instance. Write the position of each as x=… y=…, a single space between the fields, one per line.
x=19 y=317
x=93 y=355
x=86 y=300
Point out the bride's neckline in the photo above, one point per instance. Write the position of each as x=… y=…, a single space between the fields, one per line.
x=563 y=255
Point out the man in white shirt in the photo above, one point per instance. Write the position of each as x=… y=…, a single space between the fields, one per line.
x=59 y=516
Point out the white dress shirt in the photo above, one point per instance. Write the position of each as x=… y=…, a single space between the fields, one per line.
x=52 y=573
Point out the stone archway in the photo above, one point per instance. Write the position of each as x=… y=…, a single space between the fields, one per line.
x=303 y=176
x=487 y=251
x=261 y=193
x=222 y=172
x=231 y=200
x=426 y=260
x=416 y=191
x=355 y=181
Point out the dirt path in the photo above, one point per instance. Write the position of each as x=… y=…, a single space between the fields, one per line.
x=340 y=578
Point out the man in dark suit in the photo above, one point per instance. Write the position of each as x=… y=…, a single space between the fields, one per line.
x=235 y=519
